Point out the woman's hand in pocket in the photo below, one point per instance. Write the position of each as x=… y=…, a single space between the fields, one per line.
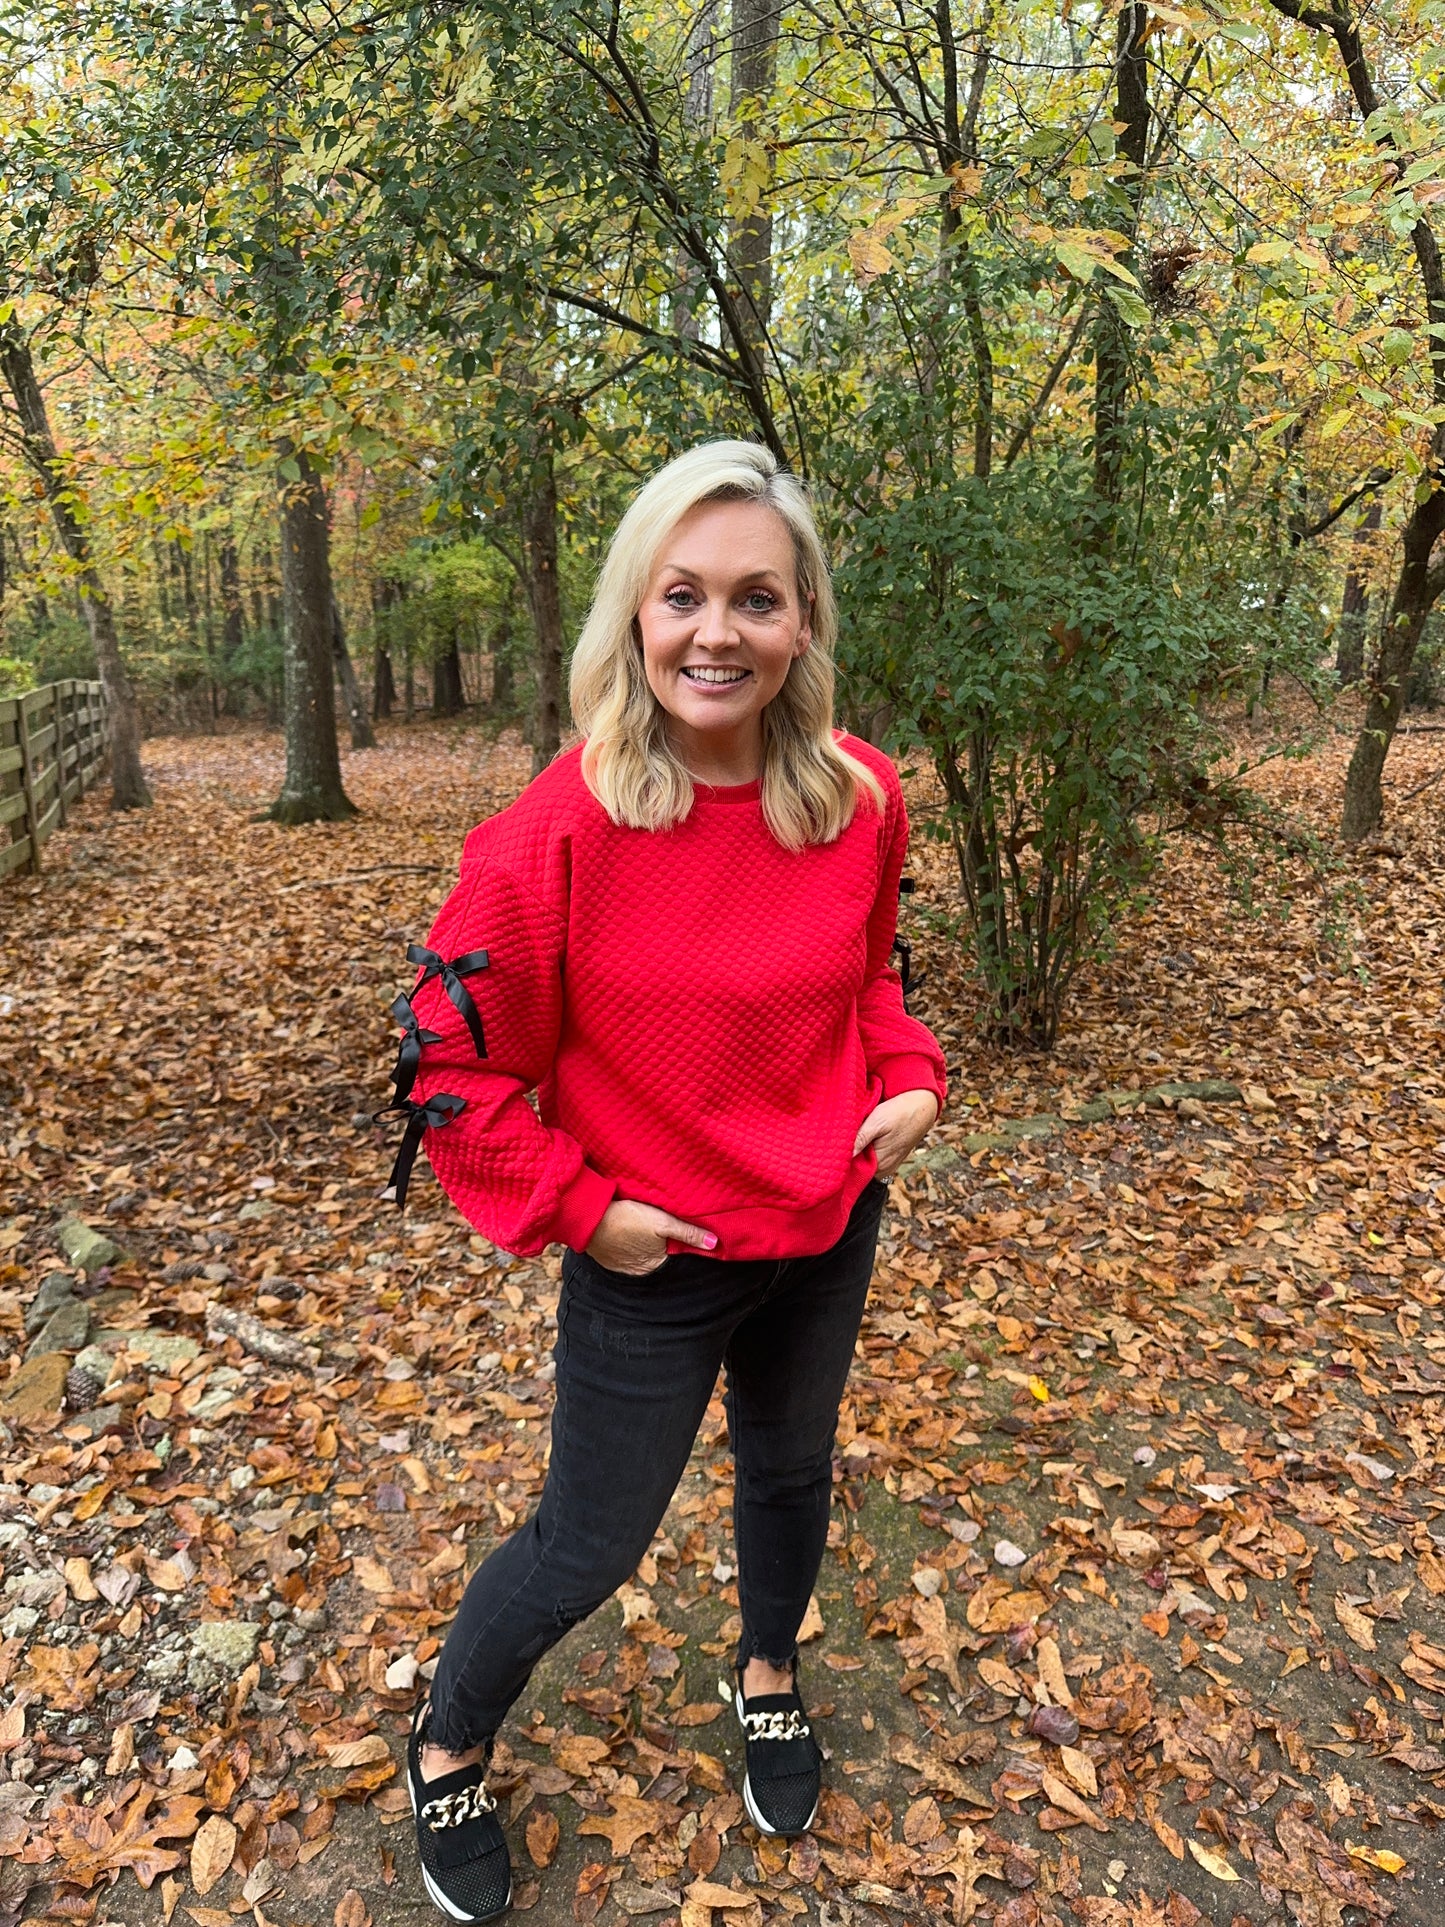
x=633 y=1237
x=895 y=1127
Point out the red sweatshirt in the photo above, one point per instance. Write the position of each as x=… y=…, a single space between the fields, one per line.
x=706 y=1017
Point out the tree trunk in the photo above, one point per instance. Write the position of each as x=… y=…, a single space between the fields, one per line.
x=504 y=696
x=958 y=146
x=384 y=594
x=1111 y=332
x=363 y=736
x=185 y=569
x=233 y=619
x=127 y=779
x=233 y=629
x=383 y=686
x=447 y=698
x=1416 y=593
x=754 y=77
x=698 y=113
x=312 y=791
x=539 y=542
x=1355 y=602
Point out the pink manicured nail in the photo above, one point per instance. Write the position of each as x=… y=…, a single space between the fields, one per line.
x=710 y=1240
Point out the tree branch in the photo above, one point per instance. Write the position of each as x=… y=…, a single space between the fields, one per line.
x=1030 y=421
x=1377 y=478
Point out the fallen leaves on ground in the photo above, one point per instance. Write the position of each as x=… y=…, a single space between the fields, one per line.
x=1134 y=1608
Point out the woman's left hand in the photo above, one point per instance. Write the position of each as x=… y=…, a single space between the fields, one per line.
x=895 y=1126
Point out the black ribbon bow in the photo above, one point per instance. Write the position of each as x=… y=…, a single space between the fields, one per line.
x=408 y=1060
x=906 y=886
x=430 y=1116
x=451 y=975
x=900 y=944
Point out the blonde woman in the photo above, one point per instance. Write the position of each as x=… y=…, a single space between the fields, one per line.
x=679 y=936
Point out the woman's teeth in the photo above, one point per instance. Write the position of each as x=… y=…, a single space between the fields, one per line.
x=716 y=677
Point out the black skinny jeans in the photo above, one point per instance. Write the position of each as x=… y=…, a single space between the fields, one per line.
x=637 y=1361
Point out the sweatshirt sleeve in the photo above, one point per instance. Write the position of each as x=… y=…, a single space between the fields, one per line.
x=520 y=1182
x=898 y=1048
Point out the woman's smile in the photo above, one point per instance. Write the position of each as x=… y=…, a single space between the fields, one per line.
x=702 y=677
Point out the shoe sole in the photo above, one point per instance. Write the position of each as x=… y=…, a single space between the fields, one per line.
x=751 y=1805
x=438 y=1898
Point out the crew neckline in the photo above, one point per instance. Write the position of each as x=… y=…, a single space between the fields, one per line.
x=728 y=792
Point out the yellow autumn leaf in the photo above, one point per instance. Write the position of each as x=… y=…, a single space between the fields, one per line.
x=1212 y=1861
x=1382 y=1858
x=1039 y=1390
x=869 y=256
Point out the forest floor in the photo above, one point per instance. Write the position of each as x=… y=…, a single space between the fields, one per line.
x=1183 y=1367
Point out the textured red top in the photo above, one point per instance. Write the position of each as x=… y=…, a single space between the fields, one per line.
x=706 y=1018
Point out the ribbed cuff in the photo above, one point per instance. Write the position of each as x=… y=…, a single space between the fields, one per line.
x=912 y=1071
x=582 y=1207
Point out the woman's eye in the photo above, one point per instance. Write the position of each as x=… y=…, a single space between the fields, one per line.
x=678 y=598
x=760 y=602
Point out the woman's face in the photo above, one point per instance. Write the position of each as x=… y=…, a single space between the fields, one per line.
x=722 y=597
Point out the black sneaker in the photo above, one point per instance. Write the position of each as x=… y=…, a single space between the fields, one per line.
x=459 y=1839
x=783 y=1778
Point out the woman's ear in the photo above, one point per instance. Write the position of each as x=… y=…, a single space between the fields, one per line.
x=805 y=633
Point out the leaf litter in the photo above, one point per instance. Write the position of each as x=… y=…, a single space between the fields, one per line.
x=1133 y=1607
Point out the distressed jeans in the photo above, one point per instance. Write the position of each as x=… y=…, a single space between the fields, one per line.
x=637 y=1361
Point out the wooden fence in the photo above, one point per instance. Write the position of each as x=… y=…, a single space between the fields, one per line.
x=52 y=746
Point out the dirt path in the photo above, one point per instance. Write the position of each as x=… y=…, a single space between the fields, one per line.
x=1189 y=1369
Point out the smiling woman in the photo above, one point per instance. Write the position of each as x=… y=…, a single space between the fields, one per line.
x=722 y=622
x=717 y=563
x=679 y=936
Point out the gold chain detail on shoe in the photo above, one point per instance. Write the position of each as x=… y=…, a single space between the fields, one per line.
x=776 y=1726
x=453 y=1809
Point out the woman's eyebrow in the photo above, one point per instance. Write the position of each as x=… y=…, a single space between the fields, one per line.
x=749 y=575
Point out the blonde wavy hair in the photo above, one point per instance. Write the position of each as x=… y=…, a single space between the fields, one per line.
x=810 y=785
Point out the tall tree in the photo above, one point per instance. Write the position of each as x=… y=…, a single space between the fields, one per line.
x=447 y=695
x=754 y=77
x=312 y=790
x=128 y=790
x=233 y=620
x=363 y=736
x=1355 y=599
x=1421 y=580
x=544 y=600
x=1112 y=344
x=701 y=69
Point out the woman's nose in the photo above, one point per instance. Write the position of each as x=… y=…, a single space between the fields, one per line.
x=716 y=623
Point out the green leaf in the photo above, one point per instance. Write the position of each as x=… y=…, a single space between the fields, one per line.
x=1128 y=304
x=1079 y=261
x=1118 y=270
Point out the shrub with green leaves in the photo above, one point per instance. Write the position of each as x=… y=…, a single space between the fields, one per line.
x=1059 y=684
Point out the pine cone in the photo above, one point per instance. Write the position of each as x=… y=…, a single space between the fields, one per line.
x=82 y=1389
